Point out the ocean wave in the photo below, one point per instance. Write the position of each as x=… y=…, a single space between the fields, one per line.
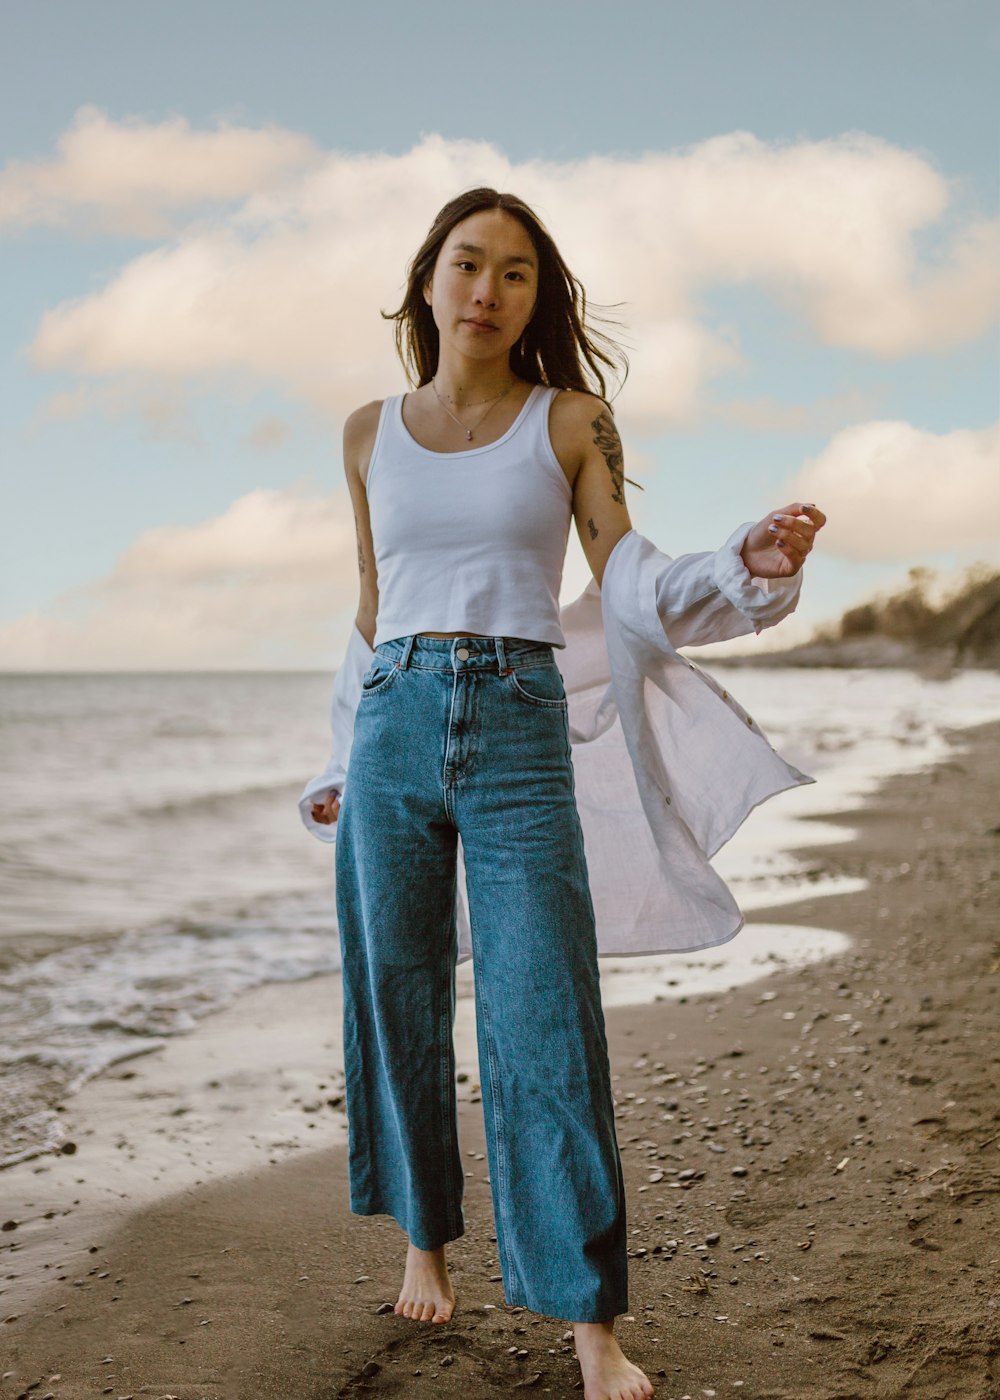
x=97 y=1002
x=207 y=802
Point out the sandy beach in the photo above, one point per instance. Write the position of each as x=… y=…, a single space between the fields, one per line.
x=812 y=1160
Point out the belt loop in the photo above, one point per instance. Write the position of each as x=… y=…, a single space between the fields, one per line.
x=501 y=655
x=404 y=660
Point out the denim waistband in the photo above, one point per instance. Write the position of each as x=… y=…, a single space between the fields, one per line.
x=463 y=653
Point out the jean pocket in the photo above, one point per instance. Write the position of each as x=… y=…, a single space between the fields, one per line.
x=539 y=685
x=379 y=676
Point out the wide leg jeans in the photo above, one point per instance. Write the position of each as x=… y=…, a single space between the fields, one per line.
x=469 y=737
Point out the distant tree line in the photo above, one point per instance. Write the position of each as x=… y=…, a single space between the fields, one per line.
x=968 y=621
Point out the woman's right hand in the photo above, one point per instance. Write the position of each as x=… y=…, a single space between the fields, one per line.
x=327 y=811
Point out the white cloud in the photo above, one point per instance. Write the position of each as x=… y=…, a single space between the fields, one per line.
x=892 y=491
x=286 y=287
x=271 y=581
x=129 y=177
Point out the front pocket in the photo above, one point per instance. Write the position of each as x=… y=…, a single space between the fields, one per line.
x=542 y=685
x=379 y=676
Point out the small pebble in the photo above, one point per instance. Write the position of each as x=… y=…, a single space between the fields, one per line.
x=384 y=1308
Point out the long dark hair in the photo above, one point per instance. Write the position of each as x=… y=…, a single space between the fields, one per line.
x=560 y=346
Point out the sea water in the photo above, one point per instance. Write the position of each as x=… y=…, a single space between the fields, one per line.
x=153 y=864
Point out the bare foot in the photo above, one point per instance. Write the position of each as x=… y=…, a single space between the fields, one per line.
x=607 y=1372
x=426 y=1294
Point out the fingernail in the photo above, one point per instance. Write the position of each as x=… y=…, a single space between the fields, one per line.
x=773 y=529
x=777 y=517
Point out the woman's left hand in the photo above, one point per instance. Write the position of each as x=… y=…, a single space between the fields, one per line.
x=777 y=546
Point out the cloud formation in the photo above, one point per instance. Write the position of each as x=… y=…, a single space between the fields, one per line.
x=272 y=581
x=282 y=281
x=132 y=177
x=892 y=491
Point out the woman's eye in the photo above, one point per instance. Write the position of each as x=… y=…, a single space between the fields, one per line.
x=466 y=266
x=518 y=275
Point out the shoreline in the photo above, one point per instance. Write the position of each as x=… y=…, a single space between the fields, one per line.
x=861 y=1115
x=261 y=1080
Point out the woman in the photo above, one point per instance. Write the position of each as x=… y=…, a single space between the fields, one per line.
x=463 y=492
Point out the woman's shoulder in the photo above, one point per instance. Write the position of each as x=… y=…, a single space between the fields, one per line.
x=363 y=421
x=574 y=416
x=360 y=432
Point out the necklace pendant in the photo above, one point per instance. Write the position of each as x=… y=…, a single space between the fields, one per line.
x=468 y=434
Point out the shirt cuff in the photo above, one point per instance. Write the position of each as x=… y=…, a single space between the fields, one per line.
x=764 y=601
x=316 y=790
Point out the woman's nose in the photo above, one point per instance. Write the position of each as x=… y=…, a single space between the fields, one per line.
x=486 y=293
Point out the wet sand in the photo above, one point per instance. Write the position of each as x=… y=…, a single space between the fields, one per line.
x=812 y=1162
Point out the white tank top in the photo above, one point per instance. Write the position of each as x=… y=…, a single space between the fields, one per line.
x=472 y=541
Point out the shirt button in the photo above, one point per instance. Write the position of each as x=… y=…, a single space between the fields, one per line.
x=463 y=653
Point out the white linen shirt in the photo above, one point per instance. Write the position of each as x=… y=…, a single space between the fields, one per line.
x=667 y=764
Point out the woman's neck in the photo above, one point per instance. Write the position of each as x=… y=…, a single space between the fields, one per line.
x=467 y=382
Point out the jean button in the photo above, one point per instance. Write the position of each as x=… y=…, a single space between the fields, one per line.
x=463 y=653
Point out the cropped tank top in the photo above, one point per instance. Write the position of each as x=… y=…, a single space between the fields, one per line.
x=471 y=541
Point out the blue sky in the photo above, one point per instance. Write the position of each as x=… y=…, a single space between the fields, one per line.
x=849 y=347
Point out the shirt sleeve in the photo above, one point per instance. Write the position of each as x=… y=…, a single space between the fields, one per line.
x=712 y=597
x=343 y=704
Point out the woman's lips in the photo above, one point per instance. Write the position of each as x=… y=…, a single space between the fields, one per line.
x=481 y=325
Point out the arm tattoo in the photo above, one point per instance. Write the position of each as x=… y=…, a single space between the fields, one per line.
x=610 y=444
x=592 y=528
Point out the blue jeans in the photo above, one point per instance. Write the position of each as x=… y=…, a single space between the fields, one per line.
x=468 y=737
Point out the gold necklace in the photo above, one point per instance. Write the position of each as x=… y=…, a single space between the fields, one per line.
x=469 y=432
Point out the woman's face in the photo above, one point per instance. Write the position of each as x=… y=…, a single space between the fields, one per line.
x=483 y=288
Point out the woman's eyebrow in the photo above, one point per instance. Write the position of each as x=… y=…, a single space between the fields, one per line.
x=473 y=248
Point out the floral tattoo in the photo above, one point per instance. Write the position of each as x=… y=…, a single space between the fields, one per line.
x=610 y=445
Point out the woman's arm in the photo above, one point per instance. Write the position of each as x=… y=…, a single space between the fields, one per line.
x=359 y=439
x=749 y=583
x=586 y=442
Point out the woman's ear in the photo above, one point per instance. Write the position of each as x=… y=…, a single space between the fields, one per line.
x=427 y=292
